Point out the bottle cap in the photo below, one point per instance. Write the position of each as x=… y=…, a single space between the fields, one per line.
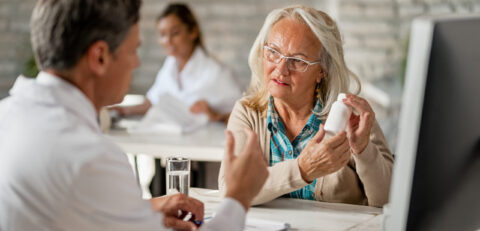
x=341 y=96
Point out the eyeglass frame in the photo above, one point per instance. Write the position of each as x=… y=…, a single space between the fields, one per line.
x=288 y=58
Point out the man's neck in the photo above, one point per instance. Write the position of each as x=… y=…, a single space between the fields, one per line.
x=85 y=85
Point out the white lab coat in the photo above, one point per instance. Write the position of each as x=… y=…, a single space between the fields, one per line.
x=58 y=172
x=201 y=78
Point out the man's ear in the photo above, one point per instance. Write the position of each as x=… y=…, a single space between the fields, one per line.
x=98 y=58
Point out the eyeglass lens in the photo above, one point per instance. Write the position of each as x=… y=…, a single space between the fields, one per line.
x=293 y=64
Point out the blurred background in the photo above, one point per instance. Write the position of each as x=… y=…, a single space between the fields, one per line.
x=375 y=34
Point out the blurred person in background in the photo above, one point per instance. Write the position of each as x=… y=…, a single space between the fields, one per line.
x=188 y=73
x=298 y=70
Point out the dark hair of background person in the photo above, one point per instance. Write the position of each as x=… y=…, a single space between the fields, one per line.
x=63 y=30
x=183 y=12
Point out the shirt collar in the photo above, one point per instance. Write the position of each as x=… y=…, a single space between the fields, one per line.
x=50 y=89
x=315 y=120
x=194 y=63
x=274 y=123
x=272 y=117
x=197 y=56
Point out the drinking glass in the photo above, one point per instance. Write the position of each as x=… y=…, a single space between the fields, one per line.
x=178 y=175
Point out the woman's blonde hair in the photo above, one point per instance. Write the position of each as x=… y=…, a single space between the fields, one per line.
x=337 y=76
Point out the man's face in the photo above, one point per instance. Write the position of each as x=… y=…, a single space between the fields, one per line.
x=120 y=72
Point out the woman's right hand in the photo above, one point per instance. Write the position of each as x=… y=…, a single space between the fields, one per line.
x=320 y=158
x=202 y=106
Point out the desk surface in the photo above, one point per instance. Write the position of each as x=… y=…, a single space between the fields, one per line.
x=303 y=214
x=204 y=144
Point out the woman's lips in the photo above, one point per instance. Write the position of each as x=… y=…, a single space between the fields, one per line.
x=278 y=82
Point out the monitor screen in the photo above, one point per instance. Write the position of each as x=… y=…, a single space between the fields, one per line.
x=436 y=180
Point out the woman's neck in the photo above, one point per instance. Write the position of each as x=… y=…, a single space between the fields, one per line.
x=293 y=112
x=183 y=59
x=293 y=115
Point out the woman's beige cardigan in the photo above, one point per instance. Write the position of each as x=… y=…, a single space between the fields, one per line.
x=365 y=180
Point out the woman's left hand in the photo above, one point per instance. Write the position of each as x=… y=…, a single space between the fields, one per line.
x=359 y=126
x=202 y=106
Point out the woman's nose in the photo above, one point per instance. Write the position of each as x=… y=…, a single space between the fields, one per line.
x=169 y=39
x=282 y=66
x=166 y=39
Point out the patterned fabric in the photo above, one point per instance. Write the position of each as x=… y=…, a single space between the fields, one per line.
x=281 y=149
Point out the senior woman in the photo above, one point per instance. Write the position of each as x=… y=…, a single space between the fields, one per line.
x=298 y=70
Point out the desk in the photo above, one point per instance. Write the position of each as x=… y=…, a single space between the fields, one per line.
x=204 y=144
x=304 y=215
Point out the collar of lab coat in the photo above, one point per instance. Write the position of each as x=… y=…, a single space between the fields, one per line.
x=48 y=89
x=195 y=62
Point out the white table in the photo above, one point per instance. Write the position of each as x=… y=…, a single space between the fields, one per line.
x=204 y=144
x=303 y=214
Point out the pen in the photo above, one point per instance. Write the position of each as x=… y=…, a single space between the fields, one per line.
x=198 y=223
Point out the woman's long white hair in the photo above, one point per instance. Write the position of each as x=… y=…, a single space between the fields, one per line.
x=337 y=77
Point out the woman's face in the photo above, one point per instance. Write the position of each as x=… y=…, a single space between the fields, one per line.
x=175 y=37
x=292 y=38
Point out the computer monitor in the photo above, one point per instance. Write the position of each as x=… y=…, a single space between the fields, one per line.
x=436 y=178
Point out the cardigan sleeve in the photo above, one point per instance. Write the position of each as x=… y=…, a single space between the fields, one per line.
x=236 y=123
x=374 y=168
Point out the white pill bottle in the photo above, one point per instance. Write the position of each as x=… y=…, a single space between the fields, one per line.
x=338 y=117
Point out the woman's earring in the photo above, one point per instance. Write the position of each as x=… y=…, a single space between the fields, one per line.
x=317 y=90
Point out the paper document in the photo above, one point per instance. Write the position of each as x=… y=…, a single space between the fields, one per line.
x=170 y=116
x=254 y=224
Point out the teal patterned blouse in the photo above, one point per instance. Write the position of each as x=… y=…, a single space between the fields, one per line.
x=281 y=149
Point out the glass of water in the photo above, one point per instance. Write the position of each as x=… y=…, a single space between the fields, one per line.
x=178 y=175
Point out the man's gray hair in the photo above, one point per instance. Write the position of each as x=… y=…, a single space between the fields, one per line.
x=63 y=30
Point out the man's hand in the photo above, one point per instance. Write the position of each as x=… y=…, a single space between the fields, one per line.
x=170 y=207
x=246 y=173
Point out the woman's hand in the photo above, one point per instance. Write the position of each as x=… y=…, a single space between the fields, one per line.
x=170 y=207
x=359 y=126
x=202 y=106
x=320 y=158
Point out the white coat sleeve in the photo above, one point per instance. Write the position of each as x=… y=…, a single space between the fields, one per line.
x=105 y=196
x=230 y=216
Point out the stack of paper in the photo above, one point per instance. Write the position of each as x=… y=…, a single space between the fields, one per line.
x=254 y=224
x=169 y=116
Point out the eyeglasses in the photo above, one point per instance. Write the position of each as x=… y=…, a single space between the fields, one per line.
x=293 y=63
